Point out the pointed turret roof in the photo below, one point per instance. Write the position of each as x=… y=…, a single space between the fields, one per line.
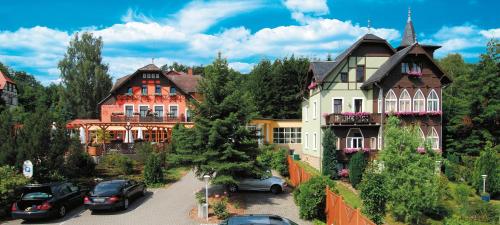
x=409 y=37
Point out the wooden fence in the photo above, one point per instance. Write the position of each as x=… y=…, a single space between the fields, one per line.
x=297 y=174
x=337 y=211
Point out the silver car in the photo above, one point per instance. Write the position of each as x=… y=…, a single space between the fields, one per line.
x=265 y=183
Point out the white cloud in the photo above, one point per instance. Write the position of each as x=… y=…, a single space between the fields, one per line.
x=491 y=33
x=451 y=32
x=241 y=66
x=140 y=31
x=198 y=16
x=134 y=16
x=318 y=7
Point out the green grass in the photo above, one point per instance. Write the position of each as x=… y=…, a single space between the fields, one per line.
x=308 y=168
x=352 y=199
x=174 y=174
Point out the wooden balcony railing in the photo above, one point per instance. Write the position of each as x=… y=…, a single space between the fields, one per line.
x=149 y=119
x=352 y=119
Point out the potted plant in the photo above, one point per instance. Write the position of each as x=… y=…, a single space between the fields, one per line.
x=94 y=149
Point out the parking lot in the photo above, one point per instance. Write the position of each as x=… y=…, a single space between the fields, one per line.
x=171 y=206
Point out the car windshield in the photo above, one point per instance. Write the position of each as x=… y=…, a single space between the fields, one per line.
x=107 y=188
x=36 y=195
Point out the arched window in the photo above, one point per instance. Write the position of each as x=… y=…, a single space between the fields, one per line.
x=405 y=101
x=419 y=102
x=433 y=138
x=391 y=102
x=422 y=135
x=379 y=101
x=432 y=102
x=354 y=138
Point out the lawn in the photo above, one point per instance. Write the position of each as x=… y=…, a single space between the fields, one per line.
x=351 y=198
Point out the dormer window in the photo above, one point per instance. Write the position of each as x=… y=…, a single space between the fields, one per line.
x=129 y=91
x=411 y=68
x=173 y=91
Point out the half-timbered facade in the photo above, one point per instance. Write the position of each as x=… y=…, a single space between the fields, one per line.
x=354 y=94
x=8 y=90
x=144 y=105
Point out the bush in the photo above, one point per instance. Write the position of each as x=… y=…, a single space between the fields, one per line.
x=220 y=209
x=482 y=211
x=79 y=163
x=488 y=163
x=456 y=220
x=311 y=197
x=265 y=158
x=374 y=195
x=10 y=179
x=280 y=162
x=118 y=163
x=153 y=171
x=357 y=166
x=329 y=168
x=461 y=194
x=144 y=150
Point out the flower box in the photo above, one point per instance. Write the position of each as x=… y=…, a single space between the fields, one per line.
x=355 y=113
x=94 y=151
x=415 y=74
x=350 y=150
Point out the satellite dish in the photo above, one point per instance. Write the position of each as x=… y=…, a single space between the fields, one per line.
x=28 y=169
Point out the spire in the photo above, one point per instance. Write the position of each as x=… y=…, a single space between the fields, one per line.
x=369 y=26
x=409 y=36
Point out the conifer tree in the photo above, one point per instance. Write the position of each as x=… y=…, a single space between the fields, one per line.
x=224 y=147
x=329 y=167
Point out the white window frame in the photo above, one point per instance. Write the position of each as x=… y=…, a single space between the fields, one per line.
x=125 y=109
x=186 y=114
x=429 y=101
x=434 y=140
x=178 y=109
x=349 y=140
x=306 y=113
x=315 y=142
x=354 y=105
x=415 y=99
x=406 y=100
x=422 y=135
x=163 y=110
x=315 y=110
x=333 y=104
x=139 y=109
x=373 y=143
x=379 y=101
x=391 y=100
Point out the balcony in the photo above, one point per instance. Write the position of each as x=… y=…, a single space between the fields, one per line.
x=148 y=119
x=353 y=118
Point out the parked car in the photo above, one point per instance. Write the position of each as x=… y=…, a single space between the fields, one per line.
x=47 y=200
x=260 y=219
x=114 y=194
x=267 y=182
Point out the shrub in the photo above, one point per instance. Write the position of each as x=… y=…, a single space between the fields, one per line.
x=280 y=162
x=461 y=194
x=374 y=195
x=79 y=163
x=329 y=167
x=482 y=211
x=357 y=166
x=144 y=150
x=456 y=220
x=311 y=197
x=265 y=158
x=10 y=179
x=488 y=163
x=118 y=163
x=220 y=209
x=200 y=197
x=153 y=171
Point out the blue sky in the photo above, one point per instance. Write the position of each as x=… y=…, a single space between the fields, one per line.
x=34 y=34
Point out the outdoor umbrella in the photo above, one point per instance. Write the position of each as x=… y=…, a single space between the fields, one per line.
x=82 y=135
x=126 y=139
x=131 y=137
x=139 y=133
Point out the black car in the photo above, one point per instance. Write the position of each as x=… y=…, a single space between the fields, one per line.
x=47 y=200
x=257 y=219
x=114 y=194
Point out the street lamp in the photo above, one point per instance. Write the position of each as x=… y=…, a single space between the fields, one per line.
x=484 y=182
x=206 y=177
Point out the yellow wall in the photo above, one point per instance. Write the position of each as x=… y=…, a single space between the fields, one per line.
x=267 y=126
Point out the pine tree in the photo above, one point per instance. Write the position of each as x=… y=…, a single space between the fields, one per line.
x=183 y=140
x=357 y=165
x=7 y=141
x=329 y=167
x=224 y=148
x=84 y=75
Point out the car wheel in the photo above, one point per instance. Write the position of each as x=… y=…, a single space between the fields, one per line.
x=233 y=188
x=125 y=204
x=61 y=212
x=276 y=189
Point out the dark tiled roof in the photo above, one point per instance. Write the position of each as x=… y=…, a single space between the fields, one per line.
x=187 y=83
x=119 y=82
x=6 y=78
x=387 y=66
x=325 y=68
x=150 y=67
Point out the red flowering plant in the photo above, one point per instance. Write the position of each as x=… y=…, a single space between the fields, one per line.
x=350 y=150
x=414 y=73
x=344 y=173
x=313 y=85
x=355 y=113
x=325 y=114
x=421 y=150
x=435 y=113
x=365 y=150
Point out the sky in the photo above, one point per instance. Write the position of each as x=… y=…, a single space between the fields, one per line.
x=34 y=34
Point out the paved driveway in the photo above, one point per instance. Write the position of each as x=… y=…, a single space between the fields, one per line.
x=171 y=206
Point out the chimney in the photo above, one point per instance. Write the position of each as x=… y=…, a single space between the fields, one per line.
x=190 y=71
